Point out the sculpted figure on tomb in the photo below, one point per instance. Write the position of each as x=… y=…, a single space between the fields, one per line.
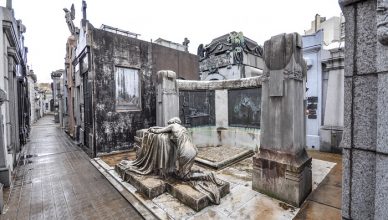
x=70 y=16
x=170 y=153
x=166 y=151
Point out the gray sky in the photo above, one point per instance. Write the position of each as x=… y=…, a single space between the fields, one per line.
x=199 y=20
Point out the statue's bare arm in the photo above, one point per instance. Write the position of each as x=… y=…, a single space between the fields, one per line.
x=161 y=130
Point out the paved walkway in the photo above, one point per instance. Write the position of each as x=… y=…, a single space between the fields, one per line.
x=55 y=180
x=325 y=201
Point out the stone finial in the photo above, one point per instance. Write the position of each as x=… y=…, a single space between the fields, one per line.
x=9 y=4
x=283 y=60
x=84 y=6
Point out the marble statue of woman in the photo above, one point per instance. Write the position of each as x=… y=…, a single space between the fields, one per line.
x=166 y=151
x=169 y=152
x=184 y=147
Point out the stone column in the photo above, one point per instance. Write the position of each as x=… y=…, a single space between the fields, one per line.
x=282 y=168
x=365 y=141
x=332 y=129
x=167 y=101
x=5 y=173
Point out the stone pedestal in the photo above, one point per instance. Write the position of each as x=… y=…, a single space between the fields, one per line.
x=167 y=101
x=365 y=141
x=330 y=139
x=282 y=168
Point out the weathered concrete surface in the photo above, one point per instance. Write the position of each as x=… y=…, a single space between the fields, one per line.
x=167 y=101
x=154 y=186
x=55 y=180
x=210 y=136
x=282 y=168
x=241 y=203
x=218 y=157
x=365 y=191
x=221 y=84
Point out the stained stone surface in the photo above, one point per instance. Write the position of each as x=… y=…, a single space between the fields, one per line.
x=222 y=156
x=153 y=186
x=241 y=203
x=381 y=186
x=365 y=38
x=365 y=127
x=364 y=118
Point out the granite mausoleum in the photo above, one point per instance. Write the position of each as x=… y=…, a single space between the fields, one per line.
x=365 y=141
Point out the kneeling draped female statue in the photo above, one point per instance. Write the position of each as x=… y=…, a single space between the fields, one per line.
x=170 y=152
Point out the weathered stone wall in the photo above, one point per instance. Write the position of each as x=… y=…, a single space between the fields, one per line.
x=365 y=141
x=212 y=119
x=115 y=130
x=184 y=64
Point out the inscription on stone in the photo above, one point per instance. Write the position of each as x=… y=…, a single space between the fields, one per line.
x=312 y=107
x=244 y=107
x=197 y=108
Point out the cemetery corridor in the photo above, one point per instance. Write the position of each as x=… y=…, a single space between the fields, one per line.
x=55 y=180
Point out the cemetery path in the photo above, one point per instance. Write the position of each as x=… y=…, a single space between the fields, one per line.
x=55 y=180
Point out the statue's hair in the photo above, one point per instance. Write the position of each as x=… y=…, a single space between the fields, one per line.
x=174 y=120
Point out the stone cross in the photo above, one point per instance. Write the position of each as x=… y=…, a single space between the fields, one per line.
x=84 y=6
x=282 y=168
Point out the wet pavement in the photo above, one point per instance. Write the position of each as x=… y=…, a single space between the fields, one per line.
x=325 y=201
x=55 y=180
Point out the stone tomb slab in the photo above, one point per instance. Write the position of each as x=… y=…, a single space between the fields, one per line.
x=153 y=186
x=221 y=156
x=150 y=186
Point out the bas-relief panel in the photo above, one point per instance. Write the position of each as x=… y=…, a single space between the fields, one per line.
x=244 y=107
x=197 y=108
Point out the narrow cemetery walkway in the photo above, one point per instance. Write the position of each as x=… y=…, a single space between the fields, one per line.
x=55 y=180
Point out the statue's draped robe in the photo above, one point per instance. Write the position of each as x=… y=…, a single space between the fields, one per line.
x=157 y=155
x=160 y=152
x=186 y=152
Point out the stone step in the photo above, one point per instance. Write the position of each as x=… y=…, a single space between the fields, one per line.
x=153 y=186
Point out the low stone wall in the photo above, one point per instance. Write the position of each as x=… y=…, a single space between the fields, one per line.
x=234 y=101
x=232 y=136
x=217 y=113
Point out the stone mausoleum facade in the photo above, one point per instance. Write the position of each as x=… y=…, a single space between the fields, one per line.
x=110 y=77
x=230 y=56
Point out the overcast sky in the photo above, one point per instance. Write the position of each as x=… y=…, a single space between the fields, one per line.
x=198 y=20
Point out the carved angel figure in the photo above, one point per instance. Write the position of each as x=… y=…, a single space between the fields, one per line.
x=70 y=16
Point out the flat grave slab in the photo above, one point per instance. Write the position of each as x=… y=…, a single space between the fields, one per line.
x=218 y=157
